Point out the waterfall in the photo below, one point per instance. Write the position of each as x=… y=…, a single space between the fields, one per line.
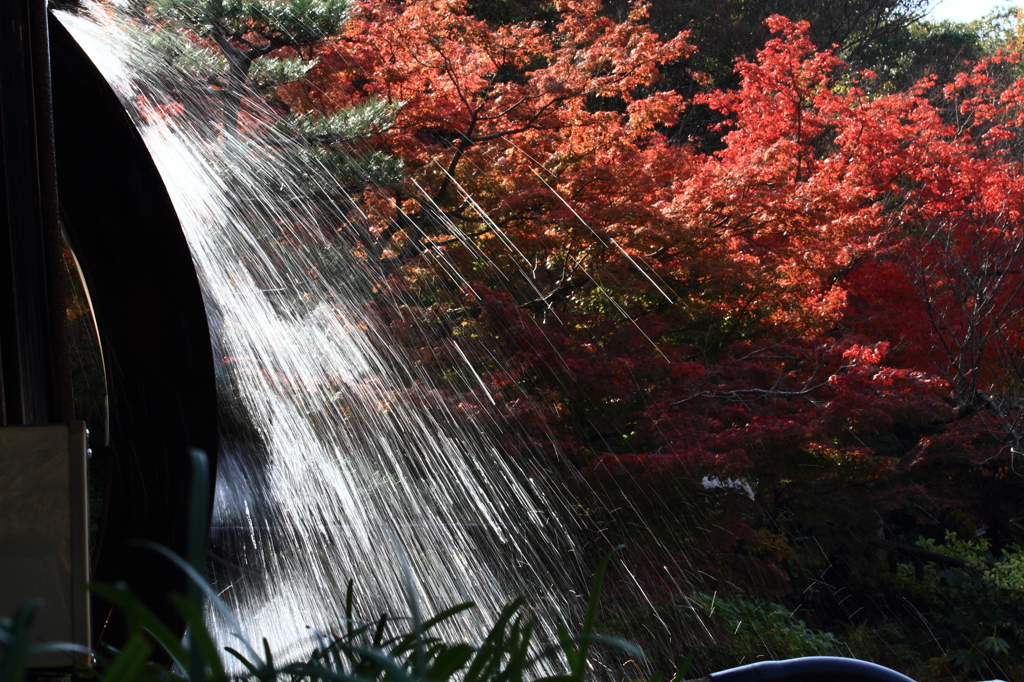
x=338 y=457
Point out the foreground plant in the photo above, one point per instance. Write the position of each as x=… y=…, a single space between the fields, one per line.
x=380 y=651
x=360 y=652
x=16 y=647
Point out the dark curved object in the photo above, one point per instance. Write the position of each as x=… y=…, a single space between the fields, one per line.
x=811 y=669
x=153 y=331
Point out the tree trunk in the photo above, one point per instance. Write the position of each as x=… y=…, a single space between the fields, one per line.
x=238 y=74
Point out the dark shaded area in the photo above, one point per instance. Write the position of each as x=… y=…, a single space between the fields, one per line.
x=31 y=362
x=725 y=31
x=153 y=331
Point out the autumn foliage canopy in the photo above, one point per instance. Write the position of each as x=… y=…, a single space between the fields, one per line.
x=544 y=164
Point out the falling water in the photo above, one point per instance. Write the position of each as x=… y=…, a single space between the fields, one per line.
x=337 y=457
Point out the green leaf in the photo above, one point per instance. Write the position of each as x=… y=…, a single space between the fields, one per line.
x=685 y=667
x=623 y=645
x=244 y=661
x=211 y=594
x=204 y=651
x=141 y=619
x=307 y=672
x=130 y=664
x=446 y=614
x=568 y=645
x=349 y=609
x=18 y=641
x=387 y=663
x=449 y=661
x=994 y=645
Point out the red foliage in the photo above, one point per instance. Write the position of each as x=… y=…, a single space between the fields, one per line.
x=819 y=310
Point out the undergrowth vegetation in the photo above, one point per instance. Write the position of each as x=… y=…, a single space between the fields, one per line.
x=388 y=649
x=385 y=650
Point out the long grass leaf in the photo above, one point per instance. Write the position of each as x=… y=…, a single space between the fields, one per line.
x=378 y=634
x=580 y=662
x=12 y=668
x=299 y=671
x=387 y=664
x=204 y=650
x=349 y=609
x=139 y=617
x=131 y=662
x=623 y=645
x=450 y=660
x=446 y=614
x=198 y=513
x=244 y=661
x=210 y=593
x=685 y=667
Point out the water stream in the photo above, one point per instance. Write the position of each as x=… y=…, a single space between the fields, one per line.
x=337 y=456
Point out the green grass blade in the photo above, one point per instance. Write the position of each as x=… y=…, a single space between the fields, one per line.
x=378 y=634
x=446 y=614
x=130 y=664
x=485 y=661
x=623 y=645
x=349 y=609
x=580 y=662
x=387 y=664
x=140 y=618
x=685 y=667
x=203 y=649
x=198 y=513
x=450 y=660
x=60 y=647
x=269 y=656
x=245 y=661
x=489 y=656
x=12 y=668
x=522 y=659
x=568 y=645
x=210 y=593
